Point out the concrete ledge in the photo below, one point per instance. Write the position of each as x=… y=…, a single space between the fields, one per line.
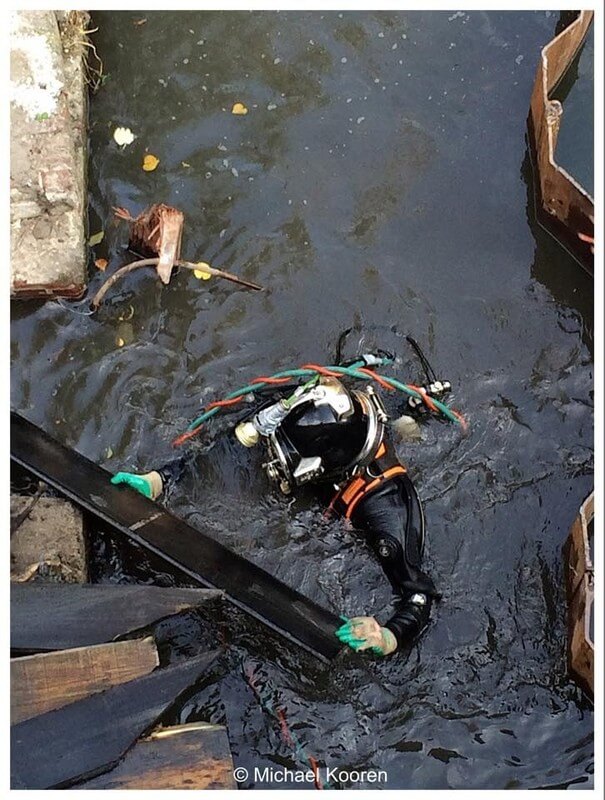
x=48 y=146
x=49 y=543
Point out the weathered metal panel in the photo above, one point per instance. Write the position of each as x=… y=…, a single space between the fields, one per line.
x=579 y=575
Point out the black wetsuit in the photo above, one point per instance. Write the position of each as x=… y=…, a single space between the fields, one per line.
x=382 y=502
x=393 y=523
x=392 y=520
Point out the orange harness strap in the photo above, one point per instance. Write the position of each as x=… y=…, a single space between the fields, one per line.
x=358 y=487
x=368 y=487
x=352 y=489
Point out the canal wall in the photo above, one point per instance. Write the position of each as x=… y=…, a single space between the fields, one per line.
x=48 y=201
x=48 y=137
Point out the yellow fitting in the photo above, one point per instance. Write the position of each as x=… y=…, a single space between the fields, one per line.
x=247 y=434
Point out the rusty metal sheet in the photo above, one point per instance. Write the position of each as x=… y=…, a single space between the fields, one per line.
x=568 y=207
x=580 y=647
x=579 y=574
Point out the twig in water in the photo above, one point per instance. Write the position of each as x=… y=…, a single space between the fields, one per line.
x=152 y=262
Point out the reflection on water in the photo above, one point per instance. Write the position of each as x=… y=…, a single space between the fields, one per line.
x=374 y=181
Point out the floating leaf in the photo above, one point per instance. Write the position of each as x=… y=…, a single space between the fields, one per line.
x=202 y=273
x=139 y=21
x=96 y=238
x=108 y=452
x=120 y=342
x=185 y=164
x=239 y=109
x=101 y=263
x=123 y=136
x=150 y=162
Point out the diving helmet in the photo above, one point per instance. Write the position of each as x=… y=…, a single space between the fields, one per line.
x=324 y=433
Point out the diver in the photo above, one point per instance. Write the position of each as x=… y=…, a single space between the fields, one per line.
x=324 y=433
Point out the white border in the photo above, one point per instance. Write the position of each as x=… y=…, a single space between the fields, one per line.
x=537 y=5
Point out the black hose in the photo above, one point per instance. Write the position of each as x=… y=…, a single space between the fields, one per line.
x=339 y=346
x=428 y=370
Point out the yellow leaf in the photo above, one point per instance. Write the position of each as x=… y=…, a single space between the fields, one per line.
x=239 y=108
x=202 y=273
x=120 y=342
x=96 y=238
x=101 y=263
x=150 y=162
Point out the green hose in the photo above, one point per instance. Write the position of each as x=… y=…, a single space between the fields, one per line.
x=351 y=371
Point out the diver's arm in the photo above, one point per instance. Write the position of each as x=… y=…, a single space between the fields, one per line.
x=152 y=484
x=394 y=527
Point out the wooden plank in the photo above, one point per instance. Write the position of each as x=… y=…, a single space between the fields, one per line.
x=89 y=737
x=183 y=549
x=54 y=616
x=193 y=756
x=44 y=682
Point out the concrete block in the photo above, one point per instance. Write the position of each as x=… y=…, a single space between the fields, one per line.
x=48 y=158
x=49 y=543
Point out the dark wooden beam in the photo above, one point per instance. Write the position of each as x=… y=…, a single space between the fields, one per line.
x=192 y=552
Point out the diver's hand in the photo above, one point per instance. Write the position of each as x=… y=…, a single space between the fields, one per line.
x=150 y=485
x=365 y=633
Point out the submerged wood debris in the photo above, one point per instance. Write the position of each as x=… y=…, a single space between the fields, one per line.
x=156 y=234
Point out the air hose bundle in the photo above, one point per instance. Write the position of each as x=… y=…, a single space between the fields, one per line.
x=360 y=369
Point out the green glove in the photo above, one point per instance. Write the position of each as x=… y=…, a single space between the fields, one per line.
x=365 y=633
x=149 y=485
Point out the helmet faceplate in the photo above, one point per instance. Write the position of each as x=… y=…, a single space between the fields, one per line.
x=328 y=433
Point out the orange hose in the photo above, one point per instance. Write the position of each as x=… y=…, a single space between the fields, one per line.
x=184 y=436
x=461 y=420
x=322 y=370
x=376 y=377
x=271 y=380
x=223 y=403
x=425 y=397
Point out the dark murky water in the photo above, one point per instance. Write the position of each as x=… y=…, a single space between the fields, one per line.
x=379 y=178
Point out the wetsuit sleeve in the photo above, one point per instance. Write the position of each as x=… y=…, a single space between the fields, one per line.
x=393 y=523
x=172 y=471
